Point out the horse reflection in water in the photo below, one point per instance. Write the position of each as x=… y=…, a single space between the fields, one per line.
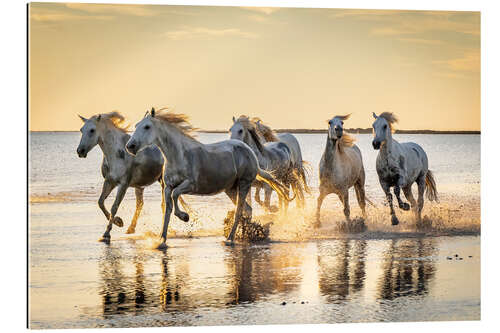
x=341 y=269
x=137 y=294
x=258 y=272
x=408 y=268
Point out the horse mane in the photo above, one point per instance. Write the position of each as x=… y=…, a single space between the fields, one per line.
x=250 y=126
x=265 y=131
x=116 y=119
x=347 y=140
x=179 y=120
x=390 y=118
x=344 y=117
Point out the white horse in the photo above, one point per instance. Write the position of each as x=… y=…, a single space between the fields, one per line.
x=340 y=168
x=399 y=165
x=196 y=168
x=119 y=168
x=299 y=177
x=274 y=157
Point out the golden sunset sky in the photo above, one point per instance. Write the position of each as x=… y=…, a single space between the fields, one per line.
x=294 y=68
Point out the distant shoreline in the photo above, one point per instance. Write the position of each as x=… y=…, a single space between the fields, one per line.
x=321 y=131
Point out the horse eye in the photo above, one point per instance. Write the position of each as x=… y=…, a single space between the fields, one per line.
x=385 y=126
x=146 y=127
x=342 y=122
x=92 y=130
x=240 y=131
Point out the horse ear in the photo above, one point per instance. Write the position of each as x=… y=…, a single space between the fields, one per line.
x=98 y=118
x=258 y=122
x=153 y=112
x=234 y=119
x=374 y=115
x=82 y=118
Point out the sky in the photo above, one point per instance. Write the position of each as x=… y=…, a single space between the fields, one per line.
x=292 y=67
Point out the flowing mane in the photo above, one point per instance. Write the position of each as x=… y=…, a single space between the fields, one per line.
x=114 y=118
x=179 y=120
x=346 y=140
x=390 y=118
x=250 y=126
x=265 y=131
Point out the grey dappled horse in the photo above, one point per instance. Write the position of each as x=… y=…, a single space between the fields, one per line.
x=197 y=168
x=399 y=165
x=340 y=168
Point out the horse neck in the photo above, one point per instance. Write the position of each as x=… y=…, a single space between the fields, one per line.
x=331 y=150
x=111 y=140
x=387 y=149
x=251 y=142
x=173 y=143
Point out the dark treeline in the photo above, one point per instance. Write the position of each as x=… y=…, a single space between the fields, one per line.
x=358 y=131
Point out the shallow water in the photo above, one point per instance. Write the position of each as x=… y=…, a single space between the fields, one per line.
x=383 y=274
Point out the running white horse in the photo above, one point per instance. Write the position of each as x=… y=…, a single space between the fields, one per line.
x=119 y=168
x=201 y=169
x=399 y=165
x=274 y=157
x=340 y=168
x=299 y=179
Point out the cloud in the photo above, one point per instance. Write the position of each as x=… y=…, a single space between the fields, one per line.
x=394 y=22
x=49 y=15
x=201 y=33
x=421 y=41
x=469 y=62
x=132 y=10
x=262 y=10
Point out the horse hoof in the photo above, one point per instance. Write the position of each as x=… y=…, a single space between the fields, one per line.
x=273 y=209
x=317 y=225
x=130 y=231
x=183 y=216
x=162 y=246
x=394 y=220
x=105 y=239
x=229 y=243
x=118 y=221
x=405 y=206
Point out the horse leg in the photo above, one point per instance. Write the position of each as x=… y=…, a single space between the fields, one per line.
x=139 y=202
x=166 y=217
x=360 y=195
x=184 y=187
x=107 y=187
x=410 y=198
x=113 y=219
x=421 y=190
x=162 y=183
x=344 y=197
x=268 y=191
x=243 y=189
x=394 y=219
x=321 y=197
x=257 y=194
x=402 y=205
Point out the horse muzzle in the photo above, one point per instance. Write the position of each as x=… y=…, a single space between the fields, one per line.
x=82 y=153
x=131 y=148
x=376 y=144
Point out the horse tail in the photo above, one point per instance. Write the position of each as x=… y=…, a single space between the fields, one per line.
x=267 y=178
x=430 y=187
x=304 y=171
